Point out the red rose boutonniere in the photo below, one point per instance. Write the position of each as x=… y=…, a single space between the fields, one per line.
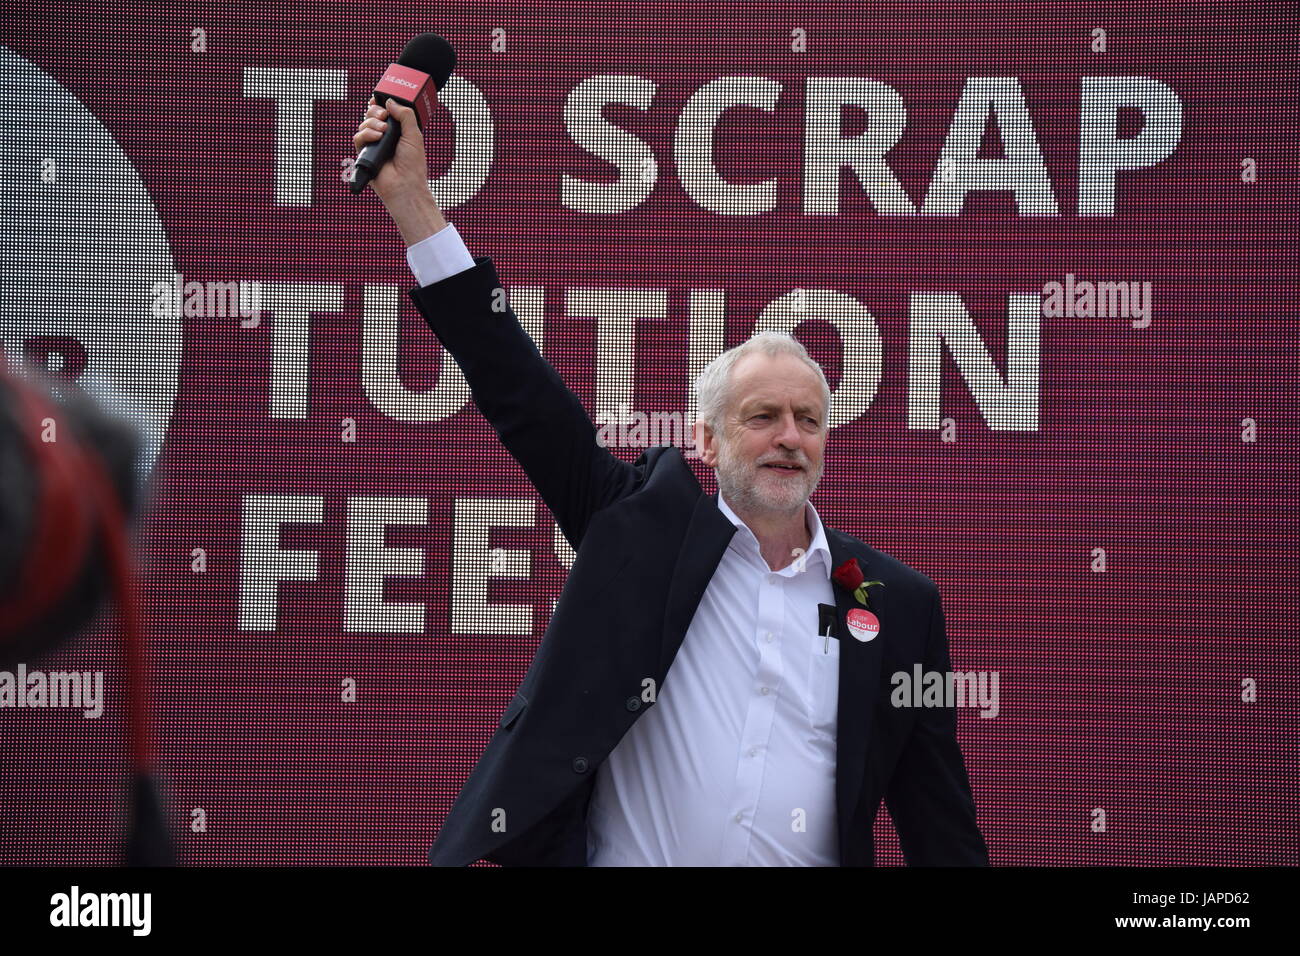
x=850 y=577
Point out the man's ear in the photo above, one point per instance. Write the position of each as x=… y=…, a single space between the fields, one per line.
x=706 y=443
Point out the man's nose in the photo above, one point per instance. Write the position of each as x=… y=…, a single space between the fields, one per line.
x=787 y=435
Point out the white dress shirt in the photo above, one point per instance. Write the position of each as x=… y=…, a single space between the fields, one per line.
x=734 y=765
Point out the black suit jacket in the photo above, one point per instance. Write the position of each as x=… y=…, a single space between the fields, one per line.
x=647 y=537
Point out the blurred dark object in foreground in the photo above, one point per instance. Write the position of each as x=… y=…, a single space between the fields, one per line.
x=44 y=602
x=68 y=488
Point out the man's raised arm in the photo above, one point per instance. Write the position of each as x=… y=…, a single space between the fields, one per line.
x=540 y=421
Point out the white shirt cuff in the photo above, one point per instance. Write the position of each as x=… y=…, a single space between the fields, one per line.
x=441 y=255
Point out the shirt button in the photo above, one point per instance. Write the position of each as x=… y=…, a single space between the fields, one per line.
x=753 y=751
x=769 y=637
x=739 y=817
x=763 y=690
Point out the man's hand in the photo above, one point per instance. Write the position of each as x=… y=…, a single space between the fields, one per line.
x=402 y=183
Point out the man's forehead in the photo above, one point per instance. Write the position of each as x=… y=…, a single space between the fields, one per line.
x=775 y=380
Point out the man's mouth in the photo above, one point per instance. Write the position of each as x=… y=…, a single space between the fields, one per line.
x=783 y=467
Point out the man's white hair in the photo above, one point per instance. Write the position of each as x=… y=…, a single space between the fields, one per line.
x=713 y=386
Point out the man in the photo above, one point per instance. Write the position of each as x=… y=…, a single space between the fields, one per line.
x=707 y=692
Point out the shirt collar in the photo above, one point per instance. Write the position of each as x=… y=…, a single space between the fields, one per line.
x=749 y=540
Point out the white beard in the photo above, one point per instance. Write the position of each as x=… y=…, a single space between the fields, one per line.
x=754 y=488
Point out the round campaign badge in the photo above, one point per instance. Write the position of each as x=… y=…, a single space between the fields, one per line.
x=863 y=624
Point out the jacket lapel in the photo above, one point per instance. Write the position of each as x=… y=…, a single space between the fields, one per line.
x=859 y=680
x=707 y=537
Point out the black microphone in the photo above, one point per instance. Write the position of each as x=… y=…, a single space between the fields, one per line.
x=419 y=73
